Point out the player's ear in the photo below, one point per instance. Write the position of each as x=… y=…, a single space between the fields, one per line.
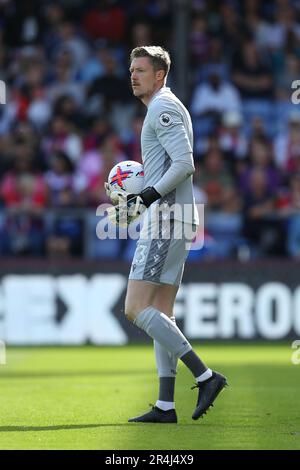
x=160 y=74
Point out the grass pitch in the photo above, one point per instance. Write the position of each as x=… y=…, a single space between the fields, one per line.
x=81 y=398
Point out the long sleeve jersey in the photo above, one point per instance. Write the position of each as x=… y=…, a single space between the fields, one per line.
x=167 y=153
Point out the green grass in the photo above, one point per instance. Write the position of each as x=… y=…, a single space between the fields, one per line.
x=81 y=398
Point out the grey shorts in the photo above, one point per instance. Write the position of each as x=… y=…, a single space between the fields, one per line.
x=160 y=254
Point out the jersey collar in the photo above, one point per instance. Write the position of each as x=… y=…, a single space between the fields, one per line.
x=161 y=90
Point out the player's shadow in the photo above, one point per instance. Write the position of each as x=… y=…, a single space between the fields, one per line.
x=74 y=426
x=55 y=428
x=36 y=374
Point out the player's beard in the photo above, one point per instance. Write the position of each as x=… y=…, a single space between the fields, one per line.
x=146 y=94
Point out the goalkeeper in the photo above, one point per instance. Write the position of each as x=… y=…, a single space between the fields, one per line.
x=158 y=263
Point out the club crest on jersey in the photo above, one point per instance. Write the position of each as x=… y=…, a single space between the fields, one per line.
x=165 y=119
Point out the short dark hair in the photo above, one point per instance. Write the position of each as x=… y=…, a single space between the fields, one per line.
x=159 y=57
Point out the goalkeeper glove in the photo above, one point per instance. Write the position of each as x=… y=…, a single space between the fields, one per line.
x=130 y=206
x=113 y=194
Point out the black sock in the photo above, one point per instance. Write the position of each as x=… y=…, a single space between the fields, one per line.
x=194 y=363
x=166 y=388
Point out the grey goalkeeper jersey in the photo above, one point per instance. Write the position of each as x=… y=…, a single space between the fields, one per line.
x=167 y=153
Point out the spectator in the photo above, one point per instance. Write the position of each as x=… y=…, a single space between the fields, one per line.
x=63 y=137
x=216 y=61
x=65 y=235
x=13 y=192
x=64 y=80
x=96 y=165
x=67 y=107
x=290 y=208
x=111 y=94
x=222 y=218
x=24 y=194
x=199 y=39
x=39 y=109
x=72 y=42
x=105 y=21
x=251 y=75
x=217 y=183
x=93 y=67
x=288 y=202
x=24 y=25
x=99 y=129
x=260 y=156
x=215 y=96
x=230 y=29
x=109 y=88
x=232 y=140
x=4 y=64
x=256 y=24
x=284 y=25
x=133 y=142
x=290 y=72
x=153 y=11
x=53 y=16
x=61 y=181
x=255 y=82
x=287 y=144
x=141 y=34
x=210 y=101
x=261 y=225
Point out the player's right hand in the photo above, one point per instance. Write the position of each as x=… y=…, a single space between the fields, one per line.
x=107 y=189
x=113 y=194
x=128 y=209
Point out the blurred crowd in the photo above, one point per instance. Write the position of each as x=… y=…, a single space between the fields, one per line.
x=70 y=116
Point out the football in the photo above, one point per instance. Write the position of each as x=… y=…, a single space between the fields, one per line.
x=127 y=176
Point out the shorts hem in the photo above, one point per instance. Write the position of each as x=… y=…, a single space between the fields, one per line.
x=164 y=281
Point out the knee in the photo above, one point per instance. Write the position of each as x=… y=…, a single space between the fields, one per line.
x=130 y=311
x=133 y=309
